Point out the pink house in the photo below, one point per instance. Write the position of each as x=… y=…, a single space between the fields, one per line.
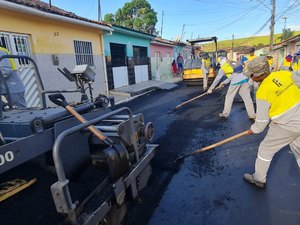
x=162 y=55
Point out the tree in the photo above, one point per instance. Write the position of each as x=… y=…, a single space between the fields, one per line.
x=136 y=14
x=109 y=18
x=286 y=34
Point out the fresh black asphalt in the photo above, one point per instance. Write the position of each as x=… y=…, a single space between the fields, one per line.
x=208 y=188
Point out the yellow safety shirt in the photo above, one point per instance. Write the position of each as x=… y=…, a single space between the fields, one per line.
x=227 y=69
x=279 y=90
x=11 y=61
x=286 y=63
x=249 y=57
x=296 y=65
x=206 y=63
x=270 y=61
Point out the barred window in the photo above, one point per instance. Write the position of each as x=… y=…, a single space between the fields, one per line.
x=17 y=44
x=83 y=53
x=118 y=54
x=22 y=47
x=140 y=55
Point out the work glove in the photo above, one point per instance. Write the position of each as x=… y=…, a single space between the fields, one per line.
x=221 y=85
x=209 y=91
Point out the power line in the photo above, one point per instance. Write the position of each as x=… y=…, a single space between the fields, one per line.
x=238 y=19
x=259 y=30
x=90 y=10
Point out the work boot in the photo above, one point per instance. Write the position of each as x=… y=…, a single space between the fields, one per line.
x=250 y=179
x=221 y=115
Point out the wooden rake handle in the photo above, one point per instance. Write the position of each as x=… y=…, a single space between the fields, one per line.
x=244 y=133
x=192 y=99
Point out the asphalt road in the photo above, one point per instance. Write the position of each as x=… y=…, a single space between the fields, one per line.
x=208 y=188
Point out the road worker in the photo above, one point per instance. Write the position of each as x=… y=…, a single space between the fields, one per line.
x=287 y=63
x=271 y=62
x=278 y=99
x=205 y=67
x=253 y=85
x=238 y=84
x=11 y=82
x=296 y=62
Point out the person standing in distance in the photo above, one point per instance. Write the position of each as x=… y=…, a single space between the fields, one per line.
x=180 y=61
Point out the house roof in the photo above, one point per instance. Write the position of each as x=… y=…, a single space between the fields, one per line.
x=44 y=7
x=129 y=31
x=163 y=42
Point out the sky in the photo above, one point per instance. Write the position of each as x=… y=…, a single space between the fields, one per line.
x=186 y=19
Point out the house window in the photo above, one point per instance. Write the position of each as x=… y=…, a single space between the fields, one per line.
x=140 y=55
x=84 y=53
x=118 y=54
x=17 y=44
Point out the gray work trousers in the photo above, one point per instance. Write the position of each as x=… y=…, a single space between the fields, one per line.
x=244 y=91
x=278 y=136
x=205 y=78
x=205 y=81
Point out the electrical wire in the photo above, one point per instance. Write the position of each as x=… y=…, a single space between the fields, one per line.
x=91 y=9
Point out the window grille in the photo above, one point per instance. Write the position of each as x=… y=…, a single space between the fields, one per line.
x=118 y=54
x=17 y=44
x=140 y=55
x=84 y=53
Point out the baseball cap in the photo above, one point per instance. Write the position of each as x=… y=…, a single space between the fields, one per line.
x=251 y=50
x=257 y=67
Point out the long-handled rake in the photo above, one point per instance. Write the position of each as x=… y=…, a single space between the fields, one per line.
x=190 y=100
x=244 y=133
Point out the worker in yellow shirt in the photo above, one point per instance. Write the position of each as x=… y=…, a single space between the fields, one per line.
x=296 y=62
x=205 y=67
x=253 y=85
x=271 y=62
x=278 y=100
x=238 y=85
x=287 y=63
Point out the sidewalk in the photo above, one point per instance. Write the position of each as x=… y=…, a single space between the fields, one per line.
x=126 y=93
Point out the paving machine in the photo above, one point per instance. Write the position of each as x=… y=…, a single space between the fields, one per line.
x=56 y=169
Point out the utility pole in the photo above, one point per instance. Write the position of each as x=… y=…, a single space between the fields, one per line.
x=50 y=4
x=284 y=22
x=272 y=25
x=99 y=11
x=162 y=23
x=182 y=32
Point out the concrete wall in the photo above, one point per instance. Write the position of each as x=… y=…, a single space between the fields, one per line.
x=161 y=66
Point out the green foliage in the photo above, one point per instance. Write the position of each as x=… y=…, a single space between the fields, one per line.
x=109 y=18
x=286 y=34
x=136 y=14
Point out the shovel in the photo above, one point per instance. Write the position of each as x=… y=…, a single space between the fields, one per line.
x=116 y=154
x=190 y=100
x=244 y=133
x=60 y=100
